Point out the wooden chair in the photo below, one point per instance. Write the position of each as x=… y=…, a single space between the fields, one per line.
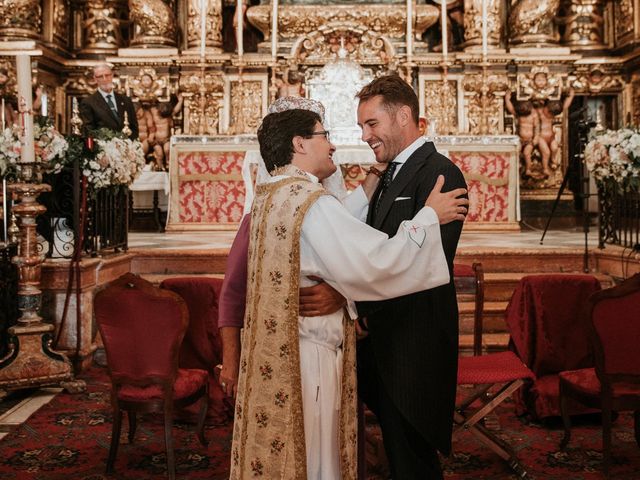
x=614 y=384
x=469 y=282
x=142 y=328
x=202 y=346
x=493 y=377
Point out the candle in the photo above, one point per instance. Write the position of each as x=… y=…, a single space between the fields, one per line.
x=409 y=30
x=484 y=30
x=43 y=104
x=239 y=39
x=203 y=26
x=23 y=71
x=3 y=117
x=274 y=28
x=445 y=34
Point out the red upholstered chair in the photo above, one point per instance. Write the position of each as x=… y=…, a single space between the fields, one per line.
x=202 y=347
x=548 y=322
x=493 y=378
x=614 y=383
x=142 y=328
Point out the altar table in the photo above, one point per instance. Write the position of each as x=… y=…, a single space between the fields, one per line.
x=211 y=175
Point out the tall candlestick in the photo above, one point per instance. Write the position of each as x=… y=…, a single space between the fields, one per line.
x=409 y=30
x=274 y=28
x=23 y=71
x=239 y=39
x=203 y=26
x=445 y=34
x=484 y=30
x=3 y=115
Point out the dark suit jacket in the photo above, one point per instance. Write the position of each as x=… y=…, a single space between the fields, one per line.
x=414 y=338
x=95 y=113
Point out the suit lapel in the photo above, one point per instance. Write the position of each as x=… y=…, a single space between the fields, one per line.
x=121 y=109
x=402 y=179
x=102 y=103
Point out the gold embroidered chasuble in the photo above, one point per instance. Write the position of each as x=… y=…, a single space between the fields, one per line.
x=268 y=436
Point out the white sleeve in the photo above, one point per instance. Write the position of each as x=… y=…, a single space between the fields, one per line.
x=363 y=263
x=357 y=204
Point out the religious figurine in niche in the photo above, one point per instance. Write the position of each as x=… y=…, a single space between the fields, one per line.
x=527 y=127
x=547 y=142
x=455 y=26
x=291 y=84
x=533 y=17
x=163 y=119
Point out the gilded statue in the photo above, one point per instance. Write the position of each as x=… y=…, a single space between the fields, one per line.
x=533 y=19
x=20 y=18
x=527 y=126
x=154 y=22
x=291 y=84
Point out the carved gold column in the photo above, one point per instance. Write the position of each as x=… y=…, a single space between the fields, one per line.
x=154 y=23
x=20 y=19
x=485 y=111
x=532 y=22
x=473 y=23
x=101 y=27
x=584 y=24
x=213 y=25
x=30 y=360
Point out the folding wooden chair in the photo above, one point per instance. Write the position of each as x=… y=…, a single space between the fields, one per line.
x=503 y=370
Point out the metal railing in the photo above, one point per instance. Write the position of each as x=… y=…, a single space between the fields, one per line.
x=619 y=216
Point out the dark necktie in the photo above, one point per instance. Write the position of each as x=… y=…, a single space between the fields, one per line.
x=112 y=105
x=387 y=178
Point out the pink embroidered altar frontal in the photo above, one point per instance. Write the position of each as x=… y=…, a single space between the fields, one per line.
x=208 y=191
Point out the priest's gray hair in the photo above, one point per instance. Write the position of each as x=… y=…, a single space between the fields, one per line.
x=297 y=103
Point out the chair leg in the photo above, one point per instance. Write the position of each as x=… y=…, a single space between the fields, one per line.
x=115 y=438
x=606 y=440
x=636 y=425
x=168 y=440
x=202 y=415
x=566 y=419
x=132 y=425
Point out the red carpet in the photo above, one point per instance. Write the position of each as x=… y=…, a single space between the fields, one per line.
x=69 y=439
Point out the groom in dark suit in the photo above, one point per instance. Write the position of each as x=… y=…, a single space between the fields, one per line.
x=106 y=108
x=407 y=365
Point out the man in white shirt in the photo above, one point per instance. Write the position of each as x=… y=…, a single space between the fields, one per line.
x=305 y=367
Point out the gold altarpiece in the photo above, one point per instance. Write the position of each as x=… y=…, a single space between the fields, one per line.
x=164 y=50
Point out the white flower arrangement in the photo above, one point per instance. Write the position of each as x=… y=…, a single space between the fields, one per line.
x=615 y=155
x=50 y=148
x=117 y=161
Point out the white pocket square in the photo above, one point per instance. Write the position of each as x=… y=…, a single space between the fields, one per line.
x=402 y=198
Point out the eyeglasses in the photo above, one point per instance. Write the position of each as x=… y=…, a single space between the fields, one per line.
x=104 y=75
x=326 y=134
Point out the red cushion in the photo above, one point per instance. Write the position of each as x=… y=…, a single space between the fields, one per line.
x=188 y=381
x=461 y=270
x=493 y=368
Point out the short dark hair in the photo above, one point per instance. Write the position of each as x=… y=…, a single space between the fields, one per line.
x=276 y=133
x=394 y=92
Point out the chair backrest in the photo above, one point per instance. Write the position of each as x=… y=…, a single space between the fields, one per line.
x=616 y=324
x=469 y=283
x=142 y=328
x=201 y=347
x=548 y=321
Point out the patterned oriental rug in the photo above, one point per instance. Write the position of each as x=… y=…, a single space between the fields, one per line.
x=69 y=439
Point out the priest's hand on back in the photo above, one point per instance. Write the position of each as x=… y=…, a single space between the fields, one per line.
x=448 y=206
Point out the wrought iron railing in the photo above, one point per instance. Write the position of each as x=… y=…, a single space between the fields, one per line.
x=72 y=204
x=619 y=215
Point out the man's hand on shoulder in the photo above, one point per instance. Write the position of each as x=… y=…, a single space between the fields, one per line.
x=448 y=206
x=320 y=299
